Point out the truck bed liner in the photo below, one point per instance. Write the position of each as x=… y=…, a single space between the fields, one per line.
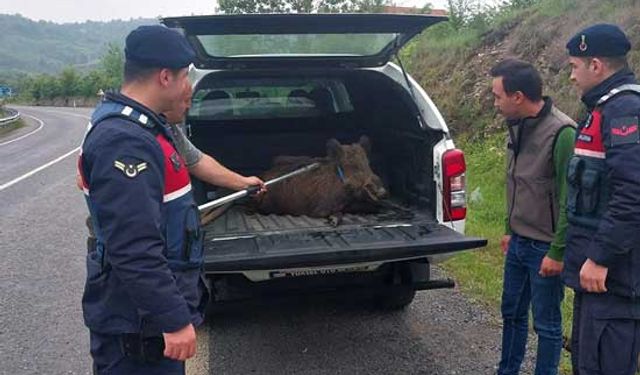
x=238 y=240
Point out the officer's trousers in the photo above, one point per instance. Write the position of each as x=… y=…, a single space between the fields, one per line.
x=606 y=344
x=109 y=359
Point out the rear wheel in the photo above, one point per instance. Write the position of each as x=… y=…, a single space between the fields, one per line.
x=394 y=299
x=398 y=291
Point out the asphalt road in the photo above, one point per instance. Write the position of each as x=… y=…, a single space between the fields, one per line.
x=41 y=252
x=42 y=274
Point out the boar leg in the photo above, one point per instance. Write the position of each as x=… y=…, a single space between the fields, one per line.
x=335 y=219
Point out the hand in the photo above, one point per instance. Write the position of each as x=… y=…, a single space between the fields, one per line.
x=253 y=181
x=593 y=277
x=504 y=243
x=79 y=181
x=181 y=344
x=550 y=267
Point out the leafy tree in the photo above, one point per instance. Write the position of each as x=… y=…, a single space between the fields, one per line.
x=112 y=64
x=91 y=83
x=460 y=12
x=522 y=3
x=68 y=82
x=300 y=6
x=427 y=8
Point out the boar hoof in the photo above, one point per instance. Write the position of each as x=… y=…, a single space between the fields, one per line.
x=334 y=220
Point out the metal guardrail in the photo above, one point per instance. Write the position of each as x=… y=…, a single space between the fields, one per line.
x=13 y=116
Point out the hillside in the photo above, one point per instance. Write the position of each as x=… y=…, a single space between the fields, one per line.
x=454 y=67
x=28 y=46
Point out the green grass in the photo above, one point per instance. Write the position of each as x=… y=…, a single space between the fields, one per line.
x=11 y=127
x=479 y=273
x=552 y=8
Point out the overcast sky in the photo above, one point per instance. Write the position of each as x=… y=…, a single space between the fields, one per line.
x=62 y=11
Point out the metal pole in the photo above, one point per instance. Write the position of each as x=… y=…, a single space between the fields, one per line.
x=253 y=189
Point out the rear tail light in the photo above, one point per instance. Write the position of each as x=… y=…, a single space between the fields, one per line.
x=454 y=201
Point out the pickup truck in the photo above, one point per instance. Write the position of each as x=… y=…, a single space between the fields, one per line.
x=283 y=84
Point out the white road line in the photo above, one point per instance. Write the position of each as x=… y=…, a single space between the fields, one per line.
x=28 y=134
x=66 y=113
x=40 y=168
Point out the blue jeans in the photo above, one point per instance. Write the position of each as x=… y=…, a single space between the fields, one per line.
x=523 y=286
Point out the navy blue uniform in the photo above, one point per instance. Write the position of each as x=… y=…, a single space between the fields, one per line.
x=603 y=210
x=144 y=274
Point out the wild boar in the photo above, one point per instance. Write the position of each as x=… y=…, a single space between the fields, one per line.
x=344 y=182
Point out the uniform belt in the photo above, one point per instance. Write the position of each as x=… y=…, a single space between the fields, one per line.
x=92 y=242
x=142 y=349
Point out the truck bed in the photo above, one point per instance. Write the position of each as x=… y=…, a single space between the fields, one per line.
x=239 y=240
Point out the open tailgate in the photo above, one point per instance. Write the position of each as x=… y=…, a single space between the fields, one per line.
x=239 y=242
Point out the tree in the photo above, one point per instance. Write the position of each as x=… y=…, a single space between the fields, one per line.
x=427 y=8
x=112 y=66
x=69 y=82
x=300 y=6
x=521 y=3
x=462 y=11
x=91 y=83
x=253 y=6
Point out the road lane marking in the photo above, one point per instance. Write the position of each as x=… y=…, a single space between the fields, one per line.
x=40 y=168
x=28 y=134
x=47 y=165
x=67 y=113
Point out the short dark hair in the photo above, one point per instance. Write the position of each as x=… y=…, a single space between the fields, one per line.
x=614 y=63
x=518 y=75
x=136 y=72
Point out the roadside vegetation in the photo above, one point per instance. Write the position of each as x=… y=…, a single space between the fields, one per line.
x=452 y=61
x=6 y=129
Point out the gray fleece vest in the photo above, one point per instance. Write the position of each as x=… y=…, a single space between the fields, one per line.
x=532 y=197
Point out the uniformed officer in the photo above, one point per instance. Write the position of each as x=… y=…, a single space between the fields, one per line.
x=201 y=165
x=144 y=292
x=602 y=257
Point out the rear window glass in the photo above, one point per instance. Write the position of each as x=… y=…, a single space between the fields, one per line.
x=295 y=44
x=269 y=99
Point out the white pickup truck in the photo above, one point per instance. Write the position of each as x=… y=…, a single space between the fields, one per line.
x=268 y=85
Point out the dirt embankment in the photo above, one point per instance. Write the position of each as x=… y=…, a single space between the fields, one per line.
x=458 y=79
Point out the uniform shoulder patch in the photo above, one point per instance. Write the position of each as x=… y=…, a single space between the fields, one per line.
x=130 y=170
x=624 y=130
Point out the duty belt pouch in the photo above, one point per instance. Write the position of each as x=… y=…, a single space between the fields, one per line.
x=574 y=170
x=142 y=349
x=590 y=188
x=92 y=244
x=193 y=238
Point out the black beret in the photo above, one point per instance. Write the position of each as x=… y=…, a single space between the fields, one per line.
x=603 y=40
x=158 y=46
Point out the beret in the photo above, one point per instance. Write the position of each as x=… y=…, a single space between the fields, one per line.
x=157 y=46
x=604 y=40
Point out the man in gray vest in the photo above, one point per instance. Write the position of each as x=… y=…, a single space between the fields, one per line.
x=540 y=145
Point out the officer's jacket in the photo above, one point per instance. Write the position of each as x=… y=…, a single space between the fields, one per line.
x=603 y=200
x=144 y=275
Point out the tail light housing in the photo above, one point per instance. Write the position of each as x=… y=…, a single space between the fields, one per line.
x=454 y=200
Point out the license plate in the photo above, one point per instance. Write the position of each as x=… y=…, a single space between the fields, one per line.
x=319 y=271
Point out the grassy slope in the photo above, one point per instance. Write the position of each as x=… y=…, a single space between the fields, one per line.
x=453 y=67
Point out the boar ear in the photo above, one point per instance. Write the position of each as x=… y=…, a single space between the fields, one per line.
x=334 y=149
x=365 y=142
